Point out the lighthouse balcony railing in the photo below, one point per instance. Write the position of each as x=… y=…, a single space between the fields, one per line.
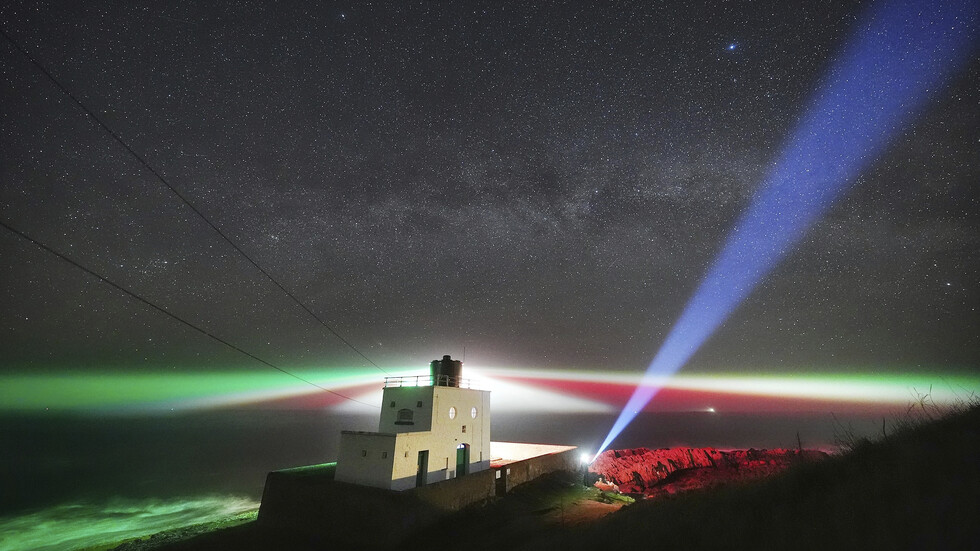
x=428 y=380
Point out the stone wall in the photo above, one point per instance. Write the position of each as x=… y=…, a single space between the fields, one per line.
x=314 y=505
x=309 y=501
x=519 y=472
x=457 y=493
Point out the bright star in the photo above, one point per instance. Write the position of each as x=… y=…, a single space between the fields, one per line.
x=731 y=47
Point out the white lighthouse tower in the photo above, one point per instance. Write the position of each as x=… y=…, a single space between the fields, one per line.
x=432 y=428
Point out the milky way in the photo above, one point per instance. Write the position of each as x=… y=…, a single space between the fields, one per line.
x=542 y=185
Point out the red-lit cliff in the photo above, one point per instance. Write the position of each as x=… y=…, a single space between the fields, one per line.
x=672 y=470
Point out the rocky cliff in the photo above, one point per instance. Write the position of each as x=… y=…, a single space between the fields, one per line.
x=671 y=470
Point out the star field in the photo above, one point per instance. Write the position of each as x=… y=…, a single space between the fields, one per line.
x=544 y=185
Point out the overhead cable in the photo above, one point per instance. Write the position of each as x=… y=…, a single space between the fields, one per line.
x=139 y=158
x=168 y=313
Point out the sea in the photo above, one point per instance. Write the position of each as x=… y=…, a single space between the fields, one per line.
x=75 y=481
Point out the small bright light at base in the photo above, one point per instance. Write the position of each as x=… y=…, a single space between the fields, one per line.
x=585 y=458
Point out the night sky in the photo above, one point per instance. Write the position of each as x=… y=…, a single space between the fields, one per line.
x=544 y=185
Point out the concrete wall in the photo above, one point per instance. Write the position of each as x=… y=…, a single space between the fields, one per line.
x=309 y=501
x=406 y=397
x=390 y=458
x=463 y=428
x=407 y=448
x=519 y=472
x=390 y=461
x=457 y=493
x=366 y=458
x=316 y=507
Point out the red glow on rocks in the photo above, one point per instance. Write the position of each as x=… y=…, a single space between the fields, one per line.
x=667 y=471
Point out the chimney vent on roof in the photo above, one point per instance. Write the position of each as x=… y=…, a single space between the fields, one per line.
x=446 y=372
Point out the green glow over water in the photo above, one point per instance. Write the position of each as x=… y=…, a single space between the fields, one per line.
x=117 y=391
x=113 y=390
x=83 y=525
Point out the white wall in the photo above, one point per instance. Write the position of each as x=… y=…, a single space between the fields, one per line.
x=406 y=397
x=450 y=431
x=366 y=458
x=389 y=459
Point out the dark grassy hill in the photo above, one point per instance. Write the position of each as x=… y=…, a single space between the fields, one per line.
x=916 y=489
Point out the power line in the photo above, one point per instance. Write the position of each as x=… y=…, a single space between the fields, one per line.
x=139 y=158
x=167 y=312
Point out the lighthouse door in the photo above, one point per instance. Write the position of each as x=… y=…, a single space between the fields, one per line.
x=462 y=459
x=421 y=476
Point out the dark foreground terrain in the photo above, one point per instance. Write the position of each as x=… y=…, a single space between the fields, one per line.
x=916 y=488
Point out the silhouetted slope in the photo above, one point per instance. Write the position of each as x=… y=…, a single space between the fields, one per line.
x=919 y=489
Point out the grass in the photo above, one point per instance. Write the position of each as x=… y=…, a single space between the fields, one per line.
x=552 y=502
x=922 y=409
x=915 y=488
x=611 y=497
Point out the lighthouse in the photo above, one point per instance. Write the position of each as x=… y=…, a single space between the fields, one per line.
x=432 y=428
x=430 y=456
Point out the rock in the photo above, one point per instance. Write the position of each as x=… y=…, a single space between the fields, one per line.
x=669 y=470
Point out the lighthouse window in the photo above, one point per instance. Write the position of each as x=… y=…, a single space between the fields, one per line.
x=452 y=413
x=464 y=428
x=473 y=413
x=405 y=417
x=418 y=404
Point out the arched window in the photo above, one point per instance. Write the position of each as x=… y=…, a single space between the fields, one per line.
x=405 y=417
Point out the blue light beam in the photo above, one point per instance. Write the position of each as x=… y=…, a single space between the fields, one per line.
x=899 y=57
